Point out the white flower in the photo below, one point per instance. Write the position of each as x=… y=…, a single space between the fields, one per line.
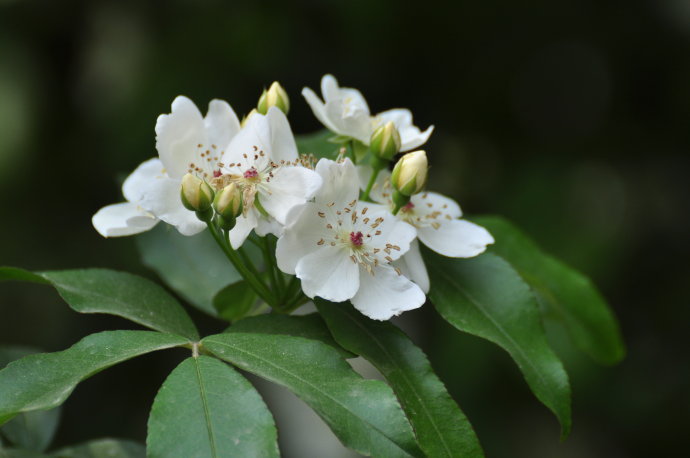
x=345 y=112
x=438 y=224
x=263 y=160
x=128 y=218
x=186 y=142
x=342 y=249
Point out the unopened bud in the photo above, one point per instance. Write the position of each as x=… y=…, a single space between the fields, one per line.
x=228 y=205
x=196 y=194
x=246 y=118
x=275 y=96
x=409 y=174
x=385 y=141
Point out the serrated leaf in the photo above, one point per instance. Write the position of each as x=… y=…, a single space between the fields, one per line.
x=319 y=143
x=234 y=301
x=363 y=414
x=206 y=409
x=309 y=326
x=486 y=297
x=103 y=448
x=194 y=267
x=115 y=293
x=568 y=295
x=29 y=430
x=440 y=426
x=44 y=381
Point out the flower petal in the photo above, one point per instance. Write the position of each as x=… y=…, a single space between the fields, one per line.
x=221 y=124
x=412 y=138
x=340 y=183
x=162 y=198
x=178 y=135
x=140 y=180
x=457 y=238
x=266 y=226
x=318 y=108
x=391 y=231
x=122 y=219
x=289 y=186
x=328 y=273
x=381 y=185
x=410 y=135
x=329 y=88
x=282 y=141
x=243 y=227
x=303 y=229
x=386 y=294
x=411 y=264
x=427 y=203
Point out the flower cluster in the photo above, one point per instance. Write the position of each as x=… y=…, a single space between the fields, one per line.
x=347 y=227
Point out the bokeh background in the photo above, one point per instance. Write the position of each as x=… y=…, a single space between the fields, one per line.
x=569 y=117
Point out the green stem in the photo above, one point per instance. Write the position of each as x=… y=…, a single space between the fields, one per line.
x=254 y=282
x=372 y=180
x=352 y=151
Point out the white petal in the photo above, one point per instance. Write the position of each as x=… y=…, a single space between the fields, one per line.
x=122 y=219
x=457 y=238
x=329 y=88
x=221 y=124
x=162 y=198
x=303 y=229
x=392 y=231
x=429 y=202
x=178 y=135
x=411 y=264
x=318 y=107
x=328 y=273
x=413 y=138
x=266 y=226
x=243 y=227
x=140 y=180
x=401 y=117
x=255 y=136
x=282 y=141
x=381 y=185
x=289 y=186
x=340 y=183
x=386 y=294
x=352 y=121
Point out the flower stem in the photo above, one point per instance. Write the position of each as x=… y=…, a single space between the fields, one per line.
x=372 y=180
x=254 y=281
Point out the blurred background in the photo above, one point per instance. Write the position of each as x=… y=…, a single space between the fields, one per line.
x=569 y=117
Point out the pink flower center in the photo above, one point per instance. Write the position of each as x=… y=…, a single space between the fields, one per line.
x=251 y=173
x=356 y=238
x=217 y=173
x=408 y=207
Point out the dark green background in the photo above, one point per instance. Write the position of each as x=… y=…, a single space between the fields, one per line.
x=569 y=117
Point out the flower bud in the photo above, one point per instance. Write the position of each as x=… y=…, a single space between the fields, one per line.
x=228 y=203
x=385 y=141
x=275 y=96
x=196 y=194
x=246 y=118
x=409 y=174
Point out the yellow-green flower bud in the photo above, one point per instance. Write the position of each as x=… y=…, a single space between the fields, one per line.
x=228 y=202
x=385 y=141
x=196 y=194
x=246 y=118
x=275 y=96
x=409 y=174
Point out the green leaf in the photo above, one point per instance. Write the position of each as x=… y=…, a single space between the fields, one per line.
x=28 y=430
x=194 y=267
x=441 y=427
x=206 y=409
x=103 y=448
x=318 y=143
x=567 y=294
x=364 y=414
x=309 y=326
x=44 y=381
x=484 y=296
x=234 y=301
x=116 y=293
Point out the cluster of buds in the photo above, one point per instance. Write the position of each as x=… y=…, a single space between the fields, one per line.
x=408 y=177
x=198 y=196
